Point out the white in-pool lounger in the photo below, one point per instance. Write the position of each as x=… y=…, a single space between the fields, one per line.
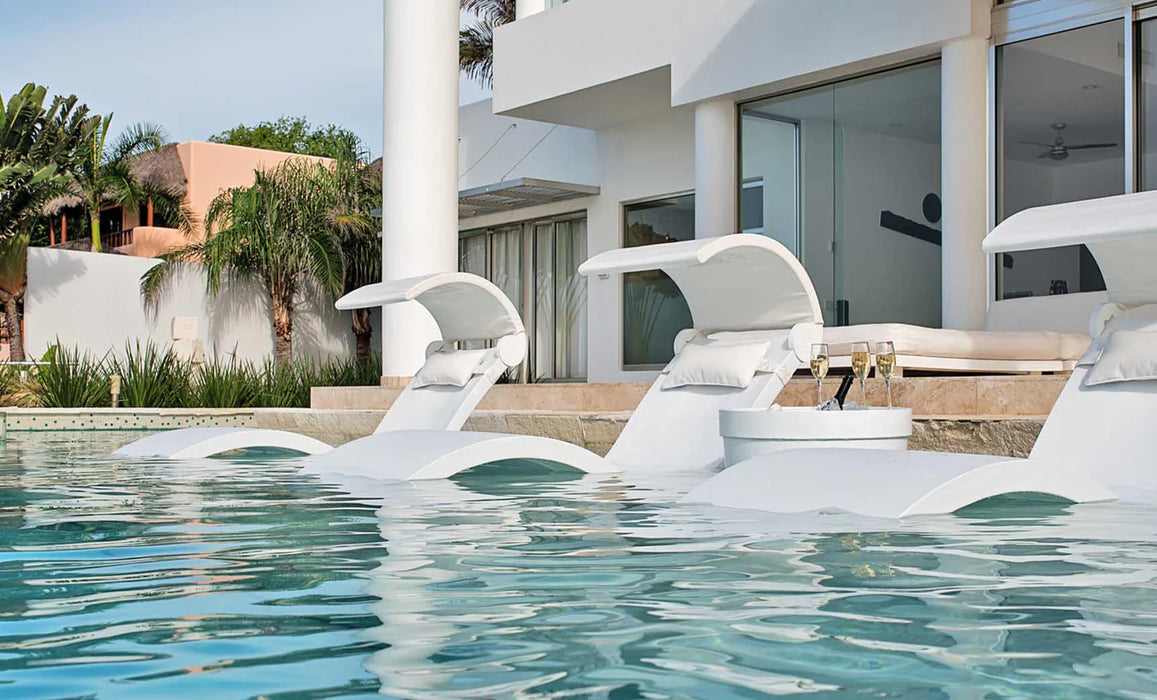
x=465 y=307
x=1099 y=443
x=755 y=317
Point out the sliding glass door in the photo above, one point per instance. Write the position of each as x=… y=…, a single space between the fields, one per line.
x=560 y=308
x=536 y=265
x=850 y=180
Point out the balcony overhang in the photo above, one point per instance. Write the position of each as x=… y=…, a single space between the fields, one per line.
x=520 y=193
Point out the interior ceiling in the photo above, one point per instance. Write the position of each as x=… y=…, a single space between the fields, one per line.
x=1076 y=78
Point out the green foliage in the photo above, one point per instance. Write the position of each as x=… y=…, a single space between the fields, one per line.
x=350 y=372
x=293 y=135
x=300 y=222
x=231 y=384
x=476 y=39
x=39 y=146
x=151 y=377
x=154 y=377
x=104 y=174
x=67 y=378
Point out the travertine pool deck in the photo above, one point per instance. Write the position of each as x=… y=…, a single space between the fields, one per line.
x=999 y=415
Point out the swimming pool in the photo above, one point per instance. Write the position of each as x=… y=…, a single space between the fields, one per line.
x=243 y=578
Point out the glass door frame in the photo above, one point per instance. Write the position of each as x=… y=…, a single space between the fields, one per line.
x=837 y=311
x=1011 y=25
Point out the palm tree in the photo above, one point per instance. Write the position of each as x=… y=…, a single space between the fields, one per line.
x=38 y=147
x=476 y=40
x=276 y=232
x=104 y=175
x=352 y=190
x=13 y=278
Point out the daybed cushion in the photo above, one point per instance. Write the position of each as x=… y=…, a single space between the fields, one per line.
x=704 y=362
x=449 y=368
x=972 y=345
x=1127 y=356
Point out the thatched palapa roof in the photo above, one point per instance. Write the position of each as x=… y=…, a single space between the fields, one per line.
x=160 y=168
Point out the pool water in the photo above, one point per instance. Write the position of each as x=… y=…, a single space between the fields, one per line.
x=243 y=578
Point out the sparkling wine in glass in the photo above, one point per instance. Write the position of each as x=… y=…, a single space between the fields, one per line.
x=886 y=365
x=861 y=365
x=819 y=366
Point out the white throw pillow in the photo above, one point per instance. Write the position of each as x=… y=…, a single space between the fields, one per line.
x=703 y=363
x=1137 y=318
x=448 y=368
x=1128 y=356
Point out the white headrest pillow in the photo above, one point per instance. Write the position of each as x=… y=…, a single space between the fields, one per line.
x=706 y=363
x=1127 y=356
x=449 y=368
x=1118 y=318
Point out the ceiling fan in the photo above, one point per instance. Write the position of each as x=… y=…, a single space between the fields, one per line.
x=1059 y=150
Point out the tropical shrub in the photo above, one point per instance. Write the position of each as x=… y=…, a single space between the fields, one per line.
x=219 y=384
x=155 y=377
x=68 y=378
x=151 y=377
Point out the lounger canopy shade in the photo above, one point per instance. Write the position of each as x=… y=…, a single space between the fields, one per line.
x=465 y=306
x=727 y=281
x=1121 y=233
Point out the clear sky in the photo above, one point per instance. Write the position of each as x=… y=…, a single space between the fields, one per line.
x=198 y=67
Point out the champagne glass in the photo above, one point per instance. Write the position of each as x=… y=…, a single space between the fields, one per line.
x=886 y=365
x=819 y=366
x=861 y=365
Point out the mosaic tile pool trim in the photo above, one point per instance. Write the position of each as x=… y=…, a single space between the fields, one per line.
x=45 y=419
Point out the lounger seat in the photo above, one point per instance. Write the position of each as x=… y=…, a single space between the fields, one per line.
x=991 y=346
x=1098 y=442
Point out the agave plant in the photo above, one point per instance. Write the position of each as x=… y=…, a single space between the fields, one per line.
x=221 y=384
x=151 y=376
x=68 y=378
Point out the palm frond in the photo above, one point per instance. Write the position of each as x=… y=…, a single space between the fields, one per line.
x=476 y=52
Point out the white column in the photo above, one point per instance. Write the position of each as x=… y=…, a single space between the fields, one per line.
x=964 y=181
x=420 y=173
x=716 y=176
x=526 y=8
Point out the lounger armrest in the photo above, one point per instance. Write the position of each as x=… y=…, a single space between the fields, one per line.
x=803 y=336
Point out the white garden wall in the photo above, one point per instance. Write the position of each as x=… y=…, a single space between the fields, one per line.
x=92 y=301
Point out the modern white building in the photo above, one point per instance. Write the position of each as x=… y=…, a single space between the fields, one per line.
x=880 y=140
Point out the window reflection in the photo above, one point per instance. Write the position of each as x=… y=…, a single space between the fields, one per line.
x=1062 y=138
x=654 y=310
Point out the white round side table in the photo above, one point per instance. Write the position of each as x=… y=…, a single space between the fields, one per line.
x=748 y=432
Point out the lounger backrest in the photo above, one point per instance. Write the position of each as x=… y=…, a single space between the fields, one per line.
x=678 y=428
x=442 y=407
x=1110 y=430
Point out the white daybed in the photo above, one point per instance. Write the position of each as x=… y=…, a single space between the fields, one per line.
x=948 y=350
x=464 y=306
x=1098 y=443
x=742 y=289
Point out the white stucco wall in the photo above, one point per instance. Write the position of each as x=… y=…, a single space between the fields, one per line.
x=493 y=148
x=704 y=49
x=92 y=301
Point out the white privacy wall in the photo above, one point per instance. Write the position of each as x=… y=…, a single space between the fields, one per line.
x=92 y=301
